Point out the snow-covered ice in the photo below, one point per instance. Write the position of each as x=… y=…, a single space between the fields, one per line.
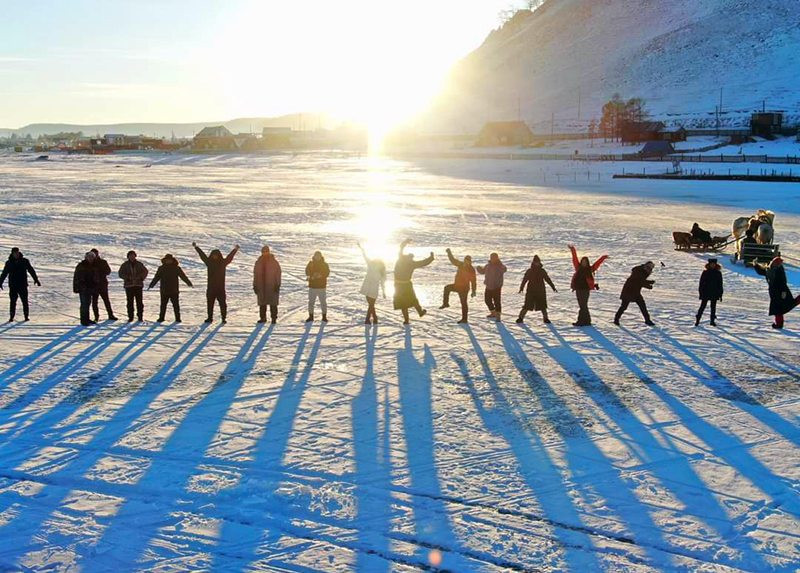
x=340 y=447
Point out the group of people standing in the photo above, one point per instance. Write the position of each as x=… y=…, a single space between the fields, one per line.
x=90 y=282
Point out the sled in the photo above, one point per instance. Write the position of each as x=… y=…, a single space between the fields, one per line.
x=685 y=242
x=752 y=253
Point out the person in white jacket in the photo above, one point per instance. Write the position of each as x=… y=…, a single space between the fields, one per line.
x=374 y=282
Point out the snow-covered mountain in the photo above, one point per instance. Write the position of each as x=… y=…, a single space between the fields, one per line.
x=677 y=54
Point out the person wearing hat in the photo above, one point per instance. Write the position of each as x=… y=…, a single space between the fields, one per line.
x=84 y=284
x=317 y=273
x=466 y=278
x=583 y=283
x=493 y=281
x=404 y=295
x=536 y=295
x=632 y=291
x=781 y=301
x=17 y=269
x=267 y=284
x=215 y=289
x=133 y=273
x=710 y=290
x=102 y=269
x=168 y=274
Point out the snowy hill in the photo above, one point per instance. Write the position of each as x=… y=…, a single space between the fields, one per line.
x=677 y=55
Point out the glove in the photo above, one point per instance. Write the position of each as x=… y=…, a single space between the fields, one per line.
x=473 y=294
x=596 y=286
x=448 y=250
x=555 y=289
x=720 y=299
x=520 y=291
x=37 y=283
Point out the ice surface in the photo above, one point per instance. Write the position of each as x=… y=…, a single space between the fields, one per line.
x=493 y=447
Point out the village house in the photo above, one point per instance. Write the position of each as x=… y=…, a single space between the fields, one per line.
x=215 y=138
x=766 y=124
x=504 y=133
x=642 y=131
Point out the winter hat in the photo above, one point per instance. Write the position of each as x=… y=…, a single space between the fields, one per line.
x=712 y=261
x=90 y=255
x=14 y=250
x=536 y=259
x=96 y=252
x=130 y=253
x=264 y=250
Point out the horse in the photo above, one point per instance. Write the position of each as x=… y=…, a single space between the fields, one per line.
x=765 y=234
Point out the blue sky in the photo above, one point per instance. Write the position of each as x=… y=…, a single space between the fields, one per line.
x=91 y=61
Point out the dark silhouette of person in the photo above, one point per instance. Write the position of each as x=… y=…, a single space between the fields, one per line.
x=494 y=271
x=17 y=269
x=133 y=274
x=103 y=270
x=84 y=284
x=267 y=284
x=536 y=295
x=374 y=283
x=215 y=289
x=168 y=274
x=404 y=295
x=700 y=234
x=781 y=301
x=466 y=277
x=711 y=290
x=317 y=273
x=583 y=283
x=632 y=291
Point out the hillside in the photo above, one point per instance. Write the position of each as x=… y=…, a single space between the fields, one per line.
x=240 y=125
x=675 y=54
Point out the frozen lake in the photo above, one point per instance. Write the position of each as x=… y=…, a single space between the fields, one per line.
x=491 y=447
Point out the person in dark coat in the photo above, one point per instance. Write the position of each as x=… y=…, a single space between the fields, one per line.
x=84 y=284
x=493 y=281
x=17 y=269
x=267 y=284
x=465 y=278
x=536 y=295
x=710 y=290
x=583 y=282
x=781 y=301
x=133 y=273
x=700 y=234
x=632 y=291
x=168 y=274
x=215 y=291
x=317 y=273
x=404 y=295
x=103 y=270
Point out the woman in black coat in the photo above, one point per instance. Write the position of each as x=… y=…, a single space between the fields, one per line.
x=632 y=291
x=536 y=295
x=710 y=290
x=168 y=274
x=781 y=300
x=215 y=291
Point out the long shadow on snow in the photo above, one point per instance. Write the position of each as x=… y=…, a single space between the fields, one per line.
x=373 y=470
x=240 y=535
x=745 y=346
x=725 y=445
x=586 y=460
x=669 y=469
x=52 y=380
x=535 y=465
x=114 y=428
x=137 y=521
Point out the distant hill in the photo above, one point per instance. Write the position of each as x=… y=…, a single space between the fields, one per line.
x=675 y=54
x=241 y=125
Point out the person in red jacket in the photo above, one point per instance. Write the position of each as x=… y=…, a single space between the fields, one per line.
x=583 y=283
x=465 y=277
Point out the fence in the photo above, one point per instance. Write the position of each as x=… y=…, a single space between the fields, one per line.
x=683 y=158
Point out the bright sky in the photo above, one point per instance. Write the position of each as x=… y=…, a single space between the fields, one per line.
x=108 y=61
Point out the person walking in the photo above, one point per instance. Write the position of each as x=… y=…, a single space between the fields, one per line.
x=168 y=274
x=536 y=295
x=781 y=301
x=404 y=295
x=710 y=290
x=632 y=291
x=583 y=283
x=215 y=289
x=103 y=270
x=493 y=271
x=133 y=273
x=84 y=284
x=317 y=272
x=374 y=283
x=17 y=269
x=465 y=278
x=267 y=284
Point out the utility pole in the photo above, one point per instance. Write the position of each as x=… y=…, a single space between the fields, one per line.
x=579 y=103
x=552 y=125
x=717 y=112
x=519 y=108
